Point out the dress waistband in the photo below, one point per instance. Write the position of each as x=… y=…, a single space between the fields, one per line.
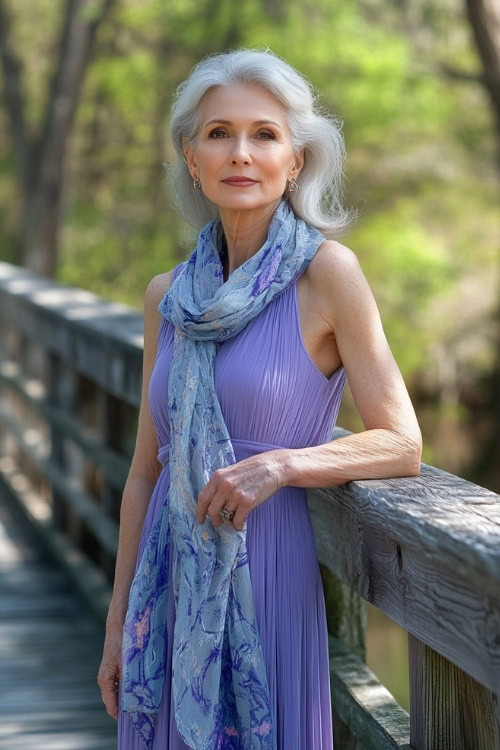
x=242 y=449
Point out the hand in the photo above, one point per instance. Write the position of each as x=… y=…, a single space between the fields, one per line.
x=241 y=487
x=110 y=671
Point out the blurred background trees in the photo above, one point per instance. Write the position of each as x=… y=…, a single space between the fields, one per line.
x=87 y=87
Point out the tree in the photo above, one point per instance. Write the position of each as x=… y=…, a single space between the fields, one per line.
x=40 y=156
x=484 y=16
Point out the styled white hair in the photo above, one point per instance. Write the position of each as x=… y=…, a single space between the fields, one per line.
x=318 y=200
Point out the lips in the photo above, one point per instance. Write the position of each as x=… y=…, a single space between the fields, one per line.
x=239 y=181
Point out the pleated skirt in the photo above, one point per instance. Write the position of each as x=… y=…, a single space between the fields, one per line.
x=291 y=618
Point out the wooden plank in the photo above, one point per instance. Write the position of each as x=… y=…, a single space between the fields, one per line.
x=104 y=528
x=385 y=538
x=32 y=391
x=98 y=338
x=89 y=580
x=449 y=709
x=363 y=704
x=50 y=651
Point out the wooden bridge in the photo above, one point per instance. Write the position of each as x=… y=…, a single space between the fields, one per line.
x=425 y=550
x=50 y=650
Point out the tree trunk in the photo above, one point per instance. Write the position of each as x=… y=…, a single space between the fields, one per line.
x=40 y=160
x=484 y=16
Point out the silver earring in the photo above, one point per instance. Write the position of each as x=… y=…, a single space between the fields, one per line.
x=196 y=183
x=292 y=186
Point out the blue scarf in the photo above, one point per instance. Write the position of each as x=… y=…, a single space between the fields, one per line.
x=219 y=681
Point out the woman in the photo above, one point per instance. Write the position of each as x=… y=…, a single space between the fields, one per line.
x=216 y=634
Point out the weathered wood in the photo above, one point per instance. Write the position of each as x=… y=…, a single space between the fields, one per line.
x=455 y=523
x=388 y=540
x=50 y=647
x=345 y=612
x=87 y=578
x=97 y=338
x=103 y=527
x=449 y=709
x=363 y=704
x=33 y=393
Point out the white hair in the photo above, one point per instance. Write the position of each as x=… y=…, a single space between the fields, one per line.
x=318 y=200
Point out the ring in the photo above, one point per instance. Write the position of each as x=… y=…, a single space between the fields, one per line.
x=226 y=515
x=116 y=687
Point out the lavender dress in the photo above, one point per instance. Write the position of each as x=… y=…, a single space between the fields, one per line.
x=272 y=395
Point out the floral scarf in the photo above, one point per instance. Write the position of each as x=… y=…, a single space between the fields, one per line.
x=219 y=682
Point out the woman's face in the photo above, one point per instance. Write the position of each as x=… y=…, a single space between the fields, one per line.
x=232 y=143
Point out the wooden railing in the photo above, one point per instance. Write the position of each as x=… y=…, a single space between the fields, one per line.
x=425 y=550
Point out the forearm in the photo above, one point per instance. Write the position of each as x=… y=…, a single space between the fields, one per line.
x=136 y=496
x=372 y=454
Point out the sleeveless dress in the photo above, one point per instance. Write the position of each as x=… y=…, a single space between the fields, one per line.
x=272 y=396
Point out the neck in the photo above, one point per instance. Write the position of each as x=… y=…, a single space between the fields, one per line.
x=245 y=231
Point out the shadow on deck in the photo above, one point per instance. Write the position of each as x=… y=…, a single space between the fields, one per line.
x=50 y=651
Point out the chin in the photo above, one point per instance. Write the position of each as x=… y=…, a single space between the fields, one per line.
x=243 y=201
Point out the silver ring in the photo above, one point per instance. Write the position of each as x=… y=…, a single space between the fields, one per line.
x=116 y=688
x=226 y=515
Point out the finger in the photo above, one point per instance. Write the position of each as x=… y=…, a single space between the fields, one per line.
x=205 y=497
x=239 y=517
x=110 y=689
x=215 y=510
x=231 y=509
x=110 y=696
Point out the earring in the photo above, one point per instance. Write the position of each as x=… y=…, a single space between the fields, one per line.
x=196 y=183
x=292 y=186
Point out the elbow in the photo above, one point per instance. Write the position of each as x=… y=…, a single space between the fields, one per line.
x=412 y=452
x=415 y=457
x=415 y=466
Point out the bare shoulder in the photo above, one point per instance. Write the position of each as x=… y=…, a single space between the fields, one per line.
x=335 y=277
x=157 y=288
x=334 y=260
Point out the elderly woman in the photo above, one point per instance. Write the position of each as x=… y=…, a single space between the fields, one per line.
x=216 y=634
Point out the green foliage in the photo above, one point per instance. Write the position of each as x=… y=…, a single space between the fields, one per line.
x=421 y=145
x=408 y=268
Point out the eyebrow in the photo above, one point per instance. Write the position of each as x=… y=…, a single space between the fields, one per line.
x=257 y=122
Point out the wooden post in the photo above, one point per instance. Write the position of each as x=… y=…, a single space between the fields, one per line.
x=449 y=709
x=346 y=618
x=61 y=392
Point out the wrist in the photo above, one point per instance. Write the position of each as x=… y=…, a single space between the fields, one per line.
x=286 y=466
x=114 y=625
x=116 y=618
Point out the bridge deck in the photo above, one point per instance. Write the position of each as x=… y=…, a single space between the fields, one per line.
x=50 y=651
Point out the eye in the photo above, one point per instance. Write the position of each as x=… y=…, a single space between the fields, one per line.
x=219 y=130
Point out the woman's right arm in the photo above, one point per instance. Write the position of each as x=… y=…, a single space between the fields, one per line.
x=145 y=467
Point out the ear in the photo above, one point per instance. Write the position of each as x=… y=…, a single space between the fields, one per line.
x=299 y=159
x=188 y=154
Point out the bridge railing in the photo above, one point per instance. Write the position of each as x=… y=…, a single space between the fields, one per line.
x=424 y=550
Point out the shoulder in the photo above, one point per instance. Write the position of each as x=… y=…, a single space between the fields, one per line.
x=336 y=279
x=157 y=288
x=333 y=259
x=155 y=291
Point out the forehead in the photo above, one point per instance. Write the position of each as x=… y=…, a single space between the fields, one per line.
x=240 y=101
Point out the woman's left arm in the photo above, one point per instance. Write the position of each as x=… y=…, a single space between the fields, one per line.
x=391 y=445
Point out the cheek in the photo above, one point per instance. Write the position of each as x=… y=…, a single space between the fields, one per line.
x=211 y=159
x=274 y=165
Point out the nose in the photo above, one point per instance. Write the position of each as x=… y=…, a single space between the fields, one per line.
x=241 y=152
